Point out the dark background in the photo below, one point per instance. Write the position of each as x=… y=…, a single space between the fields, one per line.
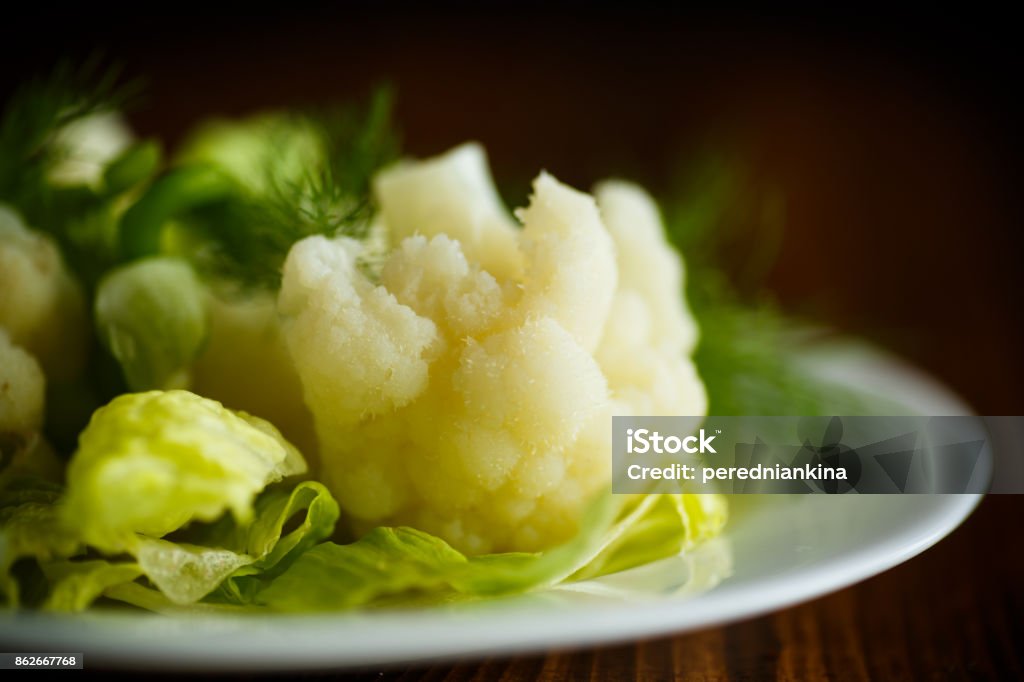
x=894 y=138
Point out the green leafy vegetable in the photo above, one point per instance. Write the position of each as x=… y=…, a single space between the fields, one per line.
x=237 y=558
x=149 y=463
x=385 y=561
x=77 y=584
x=390 y=563
x=228 y=557
x=749 y=349
x=42 y=131
x=30 y=526
x=298 y=174
x=261 y=154
x=29 y=144
x=654 y=532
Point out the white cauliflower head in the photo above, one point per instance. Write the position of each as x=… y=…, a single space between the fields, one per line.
x=246 y=366
x=21 y=390
x=41 y=307
x=88 y=145
x=23 y=450
x=467 y=389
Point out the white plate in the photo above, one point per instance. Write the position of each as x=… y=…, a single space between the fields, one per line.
x=778 y=551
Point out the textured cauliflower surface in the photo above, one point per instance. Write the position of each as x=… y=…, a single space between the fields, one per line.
x=467 y=388
x=41 y=306
x=21 y=390
x=246 y=366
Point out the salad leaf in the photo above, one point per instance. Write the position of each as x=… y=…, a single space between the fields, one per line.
x=244 y=554
x=390 y=565
x=265 y=538
x=385 y=561
x=30 y=526
x=137 y=594
x=77 y=584
x=186 y=573
x=182 y=573
x=148 y=463
x=654 y=533
x=273 y=556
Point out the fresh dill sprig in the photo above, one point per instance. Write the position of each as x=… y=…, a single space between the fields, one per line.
x=748 y=356
x=78 y=217
x=357 y=144
x=247 y=238
x=34 y=115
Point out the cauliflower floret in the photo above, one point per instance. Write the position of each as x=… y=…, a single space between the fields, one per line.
x=645 y=354
x=417 y=198
x=340 y=325
x=23 y=451
x=570 y=272
x=468 y=390
x=88 y=145
x=21 y=390
x=647 y=263
x=246 y=366
x=41 y=306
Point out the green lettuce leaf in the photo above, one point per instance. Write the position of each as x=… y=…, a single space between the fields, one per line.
x=232 y=563
x=662 y=526
x=30 y=526
x=75 y=585
x=183 y=572
x=234 y=557
x=149 y=463
x=392 y=565
x=150 y=599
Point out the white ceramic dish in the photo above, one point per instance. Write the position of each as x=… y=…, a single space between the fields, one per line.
x=778 y=551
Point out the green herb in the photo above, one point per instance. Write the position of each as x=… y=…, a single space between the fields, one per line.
x=749 y=349
x=34 y=115
x=30 y=148
x=298 y=174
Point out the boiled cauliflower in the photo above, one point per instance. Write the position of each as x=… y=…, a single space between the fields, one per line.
x=88 y=145
x=23 y=450
x=21 y=391
x=245 y=365
x=466 y=387
x=41 y=307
